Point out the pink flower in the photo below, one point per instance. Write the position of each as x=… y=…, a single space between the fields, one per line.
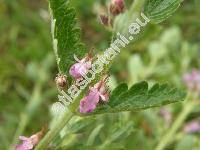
x=29 y=143
x=192 y=127
x=80 y=69
x=166 y=115
x=192 y=80
x=117 y=7
x=89 y=103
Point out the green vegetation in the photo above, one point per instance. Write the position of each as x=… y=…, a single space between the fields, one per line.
x=162 y=53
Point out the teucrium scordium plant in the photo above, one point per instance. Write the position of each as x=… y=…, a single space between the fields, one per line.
x=66 y=41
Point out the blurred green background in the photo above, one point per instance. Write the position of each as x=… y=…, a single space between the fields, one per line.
x=28 y=69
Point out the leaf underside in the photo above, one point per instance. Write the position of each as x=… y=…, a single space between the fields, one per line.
x=66 y=33
x=160 y=10
x=139 y=97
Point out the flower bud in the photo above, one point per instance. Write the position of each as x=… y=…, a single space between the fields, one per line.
x=104 y=20
x=117 y=7
x=61 y=80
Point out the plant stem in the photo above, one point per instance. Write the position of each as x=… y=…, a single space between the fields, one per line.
x=137 y=6
x=62 y=121
x=188 y=107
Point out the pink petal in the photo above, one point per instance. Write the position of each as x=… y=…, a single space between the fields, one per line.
x=80 y=69
x=23 y=138
x=26 y=144
x=89 y=103
x=105 y=97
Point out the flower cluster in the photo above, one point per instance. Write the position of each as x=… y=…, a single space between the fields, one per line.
x=192 y=80
x=96 y=93
x=28 y=143
x=115 y=8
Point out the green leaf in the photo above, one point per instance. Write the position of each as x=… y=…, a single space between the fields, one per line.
x=121 y=133
x=93 y=135
x=159 y=10
x=139 y=97
x=66 y=35
x=188 y=142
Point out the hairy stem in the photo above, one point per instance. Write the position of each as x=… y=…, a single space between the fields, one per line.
x=61 y=122
x=166 y=139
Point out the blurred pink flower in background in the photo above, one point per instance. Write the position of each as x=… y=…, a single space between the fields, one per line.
x=192 y=80
x=166 y=115
x=192 y=127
